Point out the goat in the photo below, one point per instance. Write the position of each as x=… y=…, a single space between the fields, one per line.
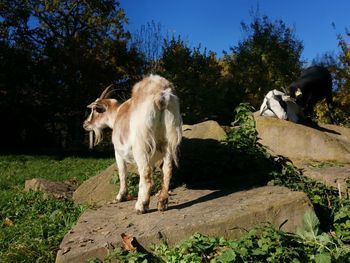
x=146 y=128
x=314 y=85
x=278 y=104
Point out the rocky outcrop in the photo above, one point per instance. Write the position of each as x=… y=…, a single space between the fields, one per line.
x=212 y=212
x=99 y=189
x=222 y=211
x=300 y=142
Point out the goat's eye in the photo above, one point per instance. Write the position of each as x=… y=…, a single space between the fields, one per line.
x=100 y=110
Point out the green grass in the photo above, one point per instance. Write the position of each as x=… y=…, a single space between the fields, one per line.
x=32 y=227
x=15 y=169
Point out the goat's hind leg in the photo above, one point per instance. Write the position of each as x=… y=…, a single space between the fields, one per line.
x=167 y=173
x=145 y=184
x=122 y=171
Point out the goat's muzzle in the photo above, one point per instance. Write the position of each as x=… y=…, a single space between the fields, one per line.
x=86 y=126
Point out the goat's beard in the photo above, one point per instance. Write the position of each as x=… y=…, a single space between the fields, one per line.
x=98 y=137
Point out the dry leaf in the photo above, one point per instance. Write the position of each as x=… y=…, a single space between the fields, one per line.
x=131 y=244
x=127 y=242
x=8 y=222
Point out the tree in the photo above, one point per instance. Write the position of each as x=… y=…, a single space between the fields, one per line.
x=199 y=83
x=342 y=75
x=267 y=58
x=149 y=41
x=338 y=65
x=74 y=48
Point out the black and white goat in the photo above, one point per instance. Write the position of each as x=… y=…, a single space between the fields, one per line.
x=277 y=104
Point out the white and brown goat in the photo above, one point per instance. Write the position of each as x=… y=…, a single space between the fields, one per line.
x=146 y=129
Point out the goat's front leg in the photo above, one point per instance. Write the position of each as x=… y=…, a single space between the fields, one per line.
x=167 y=173
x=145 y=185
x=122 y=171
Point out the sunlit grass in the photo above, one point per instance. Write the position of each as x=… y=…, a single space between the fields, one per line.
x=32 y=227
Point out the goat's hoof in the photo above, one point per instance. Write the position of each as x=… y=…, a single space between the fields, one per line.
x=162 y=205
x=121 y=197
x=141 y=208
x=140 y=212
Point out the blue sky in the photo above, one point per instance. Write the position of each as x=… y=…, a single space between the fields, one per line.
x=216 y=23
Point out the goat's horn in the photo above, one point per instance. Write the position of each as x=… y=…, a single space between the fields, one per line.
x=110 y=92
x=103 y=95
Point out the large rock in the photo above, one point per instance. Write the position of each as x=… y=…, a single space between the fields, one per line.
x=59 y=190
x=300 y=142
x=99 y=189
x=216 y=213
x=204 y=130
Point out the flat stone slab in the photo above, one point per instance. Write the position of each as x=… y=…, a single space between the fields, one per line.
x=335 y=175
x=224 y=213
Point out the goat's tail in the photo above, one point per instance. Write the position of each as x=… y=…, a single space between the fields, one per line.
x=169 y=103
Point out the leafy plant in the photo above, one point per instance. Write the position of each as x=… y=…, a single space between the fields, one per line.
x=342 y=221
x=245 y=136
x=324 y=248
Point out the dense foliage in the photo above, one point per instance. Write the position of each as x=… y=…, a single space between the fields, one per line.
x=267 y=58
x=55 y=57
x=196 y=76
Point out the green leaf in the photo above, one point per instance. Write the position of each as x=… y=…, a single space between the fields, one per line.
x=323 y=258
x=310 y=225
x=227 y=256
